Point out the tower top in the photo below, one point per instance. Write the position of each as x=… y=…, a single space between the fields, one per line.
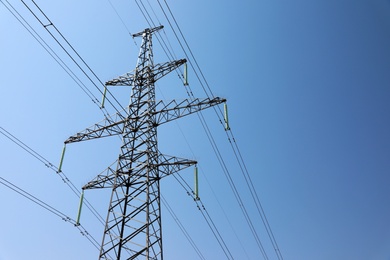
x=148 y=31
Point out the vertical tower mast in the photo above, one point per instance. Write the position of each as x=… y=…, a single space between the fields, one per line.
x=133 y=225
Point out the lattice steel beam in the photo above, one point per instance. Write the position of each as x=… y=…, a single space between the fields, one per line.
x=133 y=225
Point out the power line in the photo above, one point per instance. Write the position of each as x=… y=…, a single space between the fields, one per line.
x=50 y=24
x=64 y=178
x=225 y=169
x=18 y=142
x=48 y=164
x=208 y=133
x=255 y=197
x=182 y=228
x=234 y=148
x=50 y=51
x=206 y=216
x=123 y=22
x=43 y=43
x=188 y=188
x=49 y=208
x=237 y=154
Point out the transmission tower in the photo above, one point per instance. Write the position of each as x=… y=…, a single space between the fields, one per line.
x=133 y=224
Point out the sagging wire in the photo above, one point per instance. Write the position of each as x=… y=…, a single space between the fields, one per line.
x=229 y=134
x=207 y=217
x=51 y=209
x=182 y=228
x=211 y=139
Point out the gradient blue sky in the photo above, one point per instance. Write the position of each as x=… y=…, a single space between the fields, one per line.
x=307 y=84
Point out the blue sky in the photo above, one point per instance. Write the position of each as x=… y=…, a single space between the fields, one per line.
x=307 y=84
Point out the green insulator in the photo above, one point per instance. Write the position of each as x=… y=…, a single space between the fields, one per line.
x=80 y=207
x=196 y=183
x=62 y=158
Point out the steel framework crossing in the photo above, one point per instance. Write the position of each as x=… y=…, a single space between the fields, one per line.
x=133 y=224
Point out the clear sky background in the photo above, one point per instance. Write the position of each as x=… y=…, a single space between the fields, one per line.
x=307 y=84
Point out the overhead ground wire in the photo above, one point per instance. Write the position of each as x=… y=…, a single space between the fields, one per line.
x=49 y=50
x=123 y=22
x=51 y=24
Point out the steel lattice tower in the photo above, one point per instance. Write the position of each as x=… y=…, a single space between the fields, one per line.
x=133 y=225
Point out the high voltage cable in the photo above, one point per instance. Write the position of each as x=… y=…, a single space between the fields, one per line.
x=208 y=219
x=188 y=188
x=52 y=53
x=49 y=24
x=169 y=53
x=220 y=205
x=239 y=157
x=232 y=185
x=85 y=89
x=48 y=164
x=181 y=45
x=43 y=43
x=36 y=200
x=239 y=154
x=245 y=173
x=51 y=209
x=49 y=50
x=221 y=161
x=61 y=175
x=182 y=228
x=216 y=150
x=255 y=197
x=151 y=24
x=78 y=55
x=173 y=57
x=206 y=216
x=123 y=23
x=214 y=194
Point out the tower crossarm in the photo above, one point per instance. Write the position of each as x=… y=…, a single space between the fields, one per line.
x=159 y=71
x=174 y=110
x=133 y=225
x=108 y=127
x=148 y=30
x=170 y=164
x=124 y=80
x=164 y=113
x=109 y=177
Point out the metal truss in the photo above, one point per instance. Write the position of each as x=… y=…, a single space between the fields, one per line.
x=133 y=225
